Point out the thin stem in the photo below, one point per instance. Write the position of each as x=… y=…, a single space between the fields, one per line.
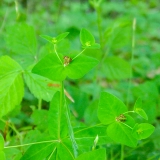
x=60 y=109
x=71 y=134
x=122 y=152
x=28 y=144
x=57 y=54
x=132 y=56
x=52 y=153
x=79 y=54
x=68 y=150
x=39 y=104
x=98 y=11
x=12 y=127
x=129 y=112
x=127 y=125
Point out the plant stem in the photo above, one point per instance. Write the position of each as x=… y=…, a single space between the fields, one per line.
x=132 y=56
x=57 y=54
x=128 y=112
x=122 y=152
x=71 y=134
x=28 y=144
x=39 y=104
x=98 y=11
x=79 y=54
x=60 y=109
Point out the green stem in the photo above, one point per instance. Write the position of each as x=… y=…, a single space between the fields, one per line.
x=79 y=54
x=129 y=112
x=39 y=104
x=28 y=144
x=71 y=134
x=98 y=11
x=57 y=54
x=60 y=109
x=122 y=152
x=132 y=56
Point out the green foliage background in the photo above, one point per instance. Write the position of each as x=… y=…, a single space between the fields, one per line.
x=125 y=71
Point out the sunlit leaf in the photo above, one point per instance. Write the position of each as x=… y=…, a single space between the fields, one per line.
x=41 y=87
x=109 y=108
x=143 y=130
x=11 y=85
x=51 y=67
x=98 y=154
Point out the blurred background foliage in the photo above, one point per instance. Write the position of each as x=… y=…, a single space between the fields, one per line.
x=111 y=23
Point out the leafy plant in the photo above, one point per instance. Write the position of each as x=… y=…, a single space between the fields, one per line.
x=64 y=97
x=59 y=141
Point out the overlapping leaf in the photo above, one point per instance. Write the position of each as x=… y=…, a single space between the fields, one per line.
x=41 y=87
x=11 y=85
x=21 y=40
x=99 y=154
x=51 y=67
x=109 y=112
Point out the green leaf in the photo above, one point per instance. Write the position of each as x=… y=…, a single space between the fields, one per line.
x=64 y=151
x=55 y=40
x=56 y=118
x=51 y=67
x=39 y=151
x=86 y=38
x=121 y=133
x=1 y=142
x=11 y=85
x=41 y=87
x=80 y=66
x=139 y=110
x=143 y=130
x=21 y=39
x=98 y=154
x=109 y=108
x=2 y=156
x=116 y=68
x=61 y=36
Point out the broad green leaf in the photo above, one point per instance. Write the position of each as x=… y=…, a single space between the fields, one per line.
x=143 y=130
x=86 y=38
x=1 y=142
x=139 y=110
x=41 y=87
x=2 y=156
x=21 y=40
x=61 y=36
x=116 y=68
x=109 y=108
x=64 y=151
x=121 y=133
x=51 y=67
x=39 y=151
x=98 y=154
x=11 y=85
x=57 y=122
x=57 y=39
x=80 y=66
